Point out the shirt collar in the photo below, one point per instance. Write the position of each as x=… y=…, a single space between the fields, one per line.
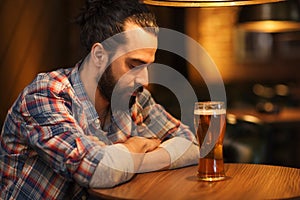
x=88 y=106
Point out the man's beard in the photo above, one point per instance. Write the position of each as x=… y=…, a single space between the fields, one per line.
x=106 y=86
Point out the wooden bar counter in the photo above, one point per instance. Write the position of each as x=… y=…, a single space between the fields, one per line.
x=244 y=181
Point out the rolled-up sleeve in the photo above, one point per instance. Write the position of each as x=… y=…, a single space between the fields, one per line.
x=178 y=140
x=115 y=167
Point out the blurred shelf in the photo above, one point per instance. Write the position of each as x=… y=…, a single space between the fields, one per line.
x=286 y=115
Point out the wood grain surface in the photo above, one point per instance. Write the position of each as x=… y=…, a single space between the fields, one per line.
x=244 y=181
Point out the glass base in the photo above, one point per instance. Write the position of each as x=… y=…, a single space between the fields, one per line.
x=211 y=179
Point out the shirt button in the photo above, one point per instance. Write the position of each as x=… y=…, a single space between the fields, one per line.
x=97 y=123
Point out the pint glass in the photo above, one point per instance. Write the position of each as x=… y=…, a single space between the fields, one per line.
x=210 y=125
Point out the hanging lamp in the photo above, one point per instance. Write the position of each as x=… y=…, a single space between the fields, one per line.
x=270 y=18
x=205 y=3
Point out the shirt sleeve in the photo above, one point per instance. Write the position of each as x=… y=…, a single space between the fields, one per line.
x=116 y=166
x=182 y=152
x=54 y=134
x=153 y=120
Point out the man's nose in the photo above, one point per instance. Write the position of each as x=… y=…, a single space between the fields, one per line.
x=142 y=76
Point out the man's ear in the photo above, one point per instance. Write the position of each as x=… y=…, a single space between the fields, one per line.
x=98 y=55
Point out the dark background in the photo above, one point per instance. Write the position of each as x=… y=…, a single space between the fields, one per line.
x=38 y=36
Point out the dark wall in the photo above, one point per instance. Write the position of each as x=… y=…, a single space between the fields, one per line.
x=36 y=36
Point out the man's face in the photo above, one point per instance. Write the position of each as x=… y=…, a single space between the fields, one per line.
x=128 y=73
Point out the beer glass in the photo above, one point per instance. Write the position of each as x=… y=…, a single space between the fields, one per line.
x=210 y=125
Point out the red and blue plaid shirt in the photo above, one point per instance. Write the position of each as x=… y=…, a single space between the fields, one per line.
x=44 y=151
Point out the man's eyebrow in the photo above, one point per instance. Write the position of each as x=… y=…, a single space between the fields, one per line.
x=139 y=61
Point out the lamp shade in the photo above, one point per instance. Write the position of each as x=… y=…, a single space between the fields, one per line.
x=205 y=3
x=272 y=17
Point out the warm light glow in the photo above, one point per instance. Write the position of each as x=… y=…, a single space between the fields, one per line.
x=231 y=119
x=213 y=29
x=252 y=119
x=205 y=3
x=270 y=26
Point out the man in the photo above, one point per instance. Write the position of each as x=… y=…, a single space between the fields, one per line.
x=93 y=125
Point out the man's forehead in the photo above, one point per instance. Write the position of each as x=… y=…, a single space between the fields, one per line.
x=138 y=37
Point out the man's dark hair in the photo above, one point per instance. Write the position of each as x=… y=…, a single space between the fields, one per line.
x=102 y=19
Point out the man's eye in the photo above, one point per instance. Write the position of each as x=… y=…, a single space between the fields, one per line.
x=131 y=66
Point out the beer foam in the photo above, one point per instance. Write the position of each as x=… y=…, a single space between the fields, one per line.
x=210 y=112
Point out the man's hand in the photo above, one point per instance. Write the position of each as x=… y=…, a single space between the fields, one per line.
x=138 y=144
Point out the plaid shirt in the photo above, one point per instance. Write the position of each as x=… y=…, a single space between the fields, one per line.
x=44 y=151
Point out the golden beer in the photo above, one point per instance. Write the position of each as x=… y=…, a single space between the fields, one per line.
x=210 y=125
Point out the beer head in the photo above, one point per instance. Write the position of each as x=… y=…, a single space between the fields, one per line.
x=200 y=111
x=210 y=105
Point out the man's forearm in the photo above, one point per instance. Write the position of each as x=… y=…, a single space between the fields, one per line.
x=174 y=153
x=182 y=152
x=119 y=164
x=121 y=161
x=158 y=159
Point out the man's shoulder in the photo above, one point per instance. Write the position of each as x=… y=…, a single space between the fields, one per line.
x=54 y=81
x=60 y=75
